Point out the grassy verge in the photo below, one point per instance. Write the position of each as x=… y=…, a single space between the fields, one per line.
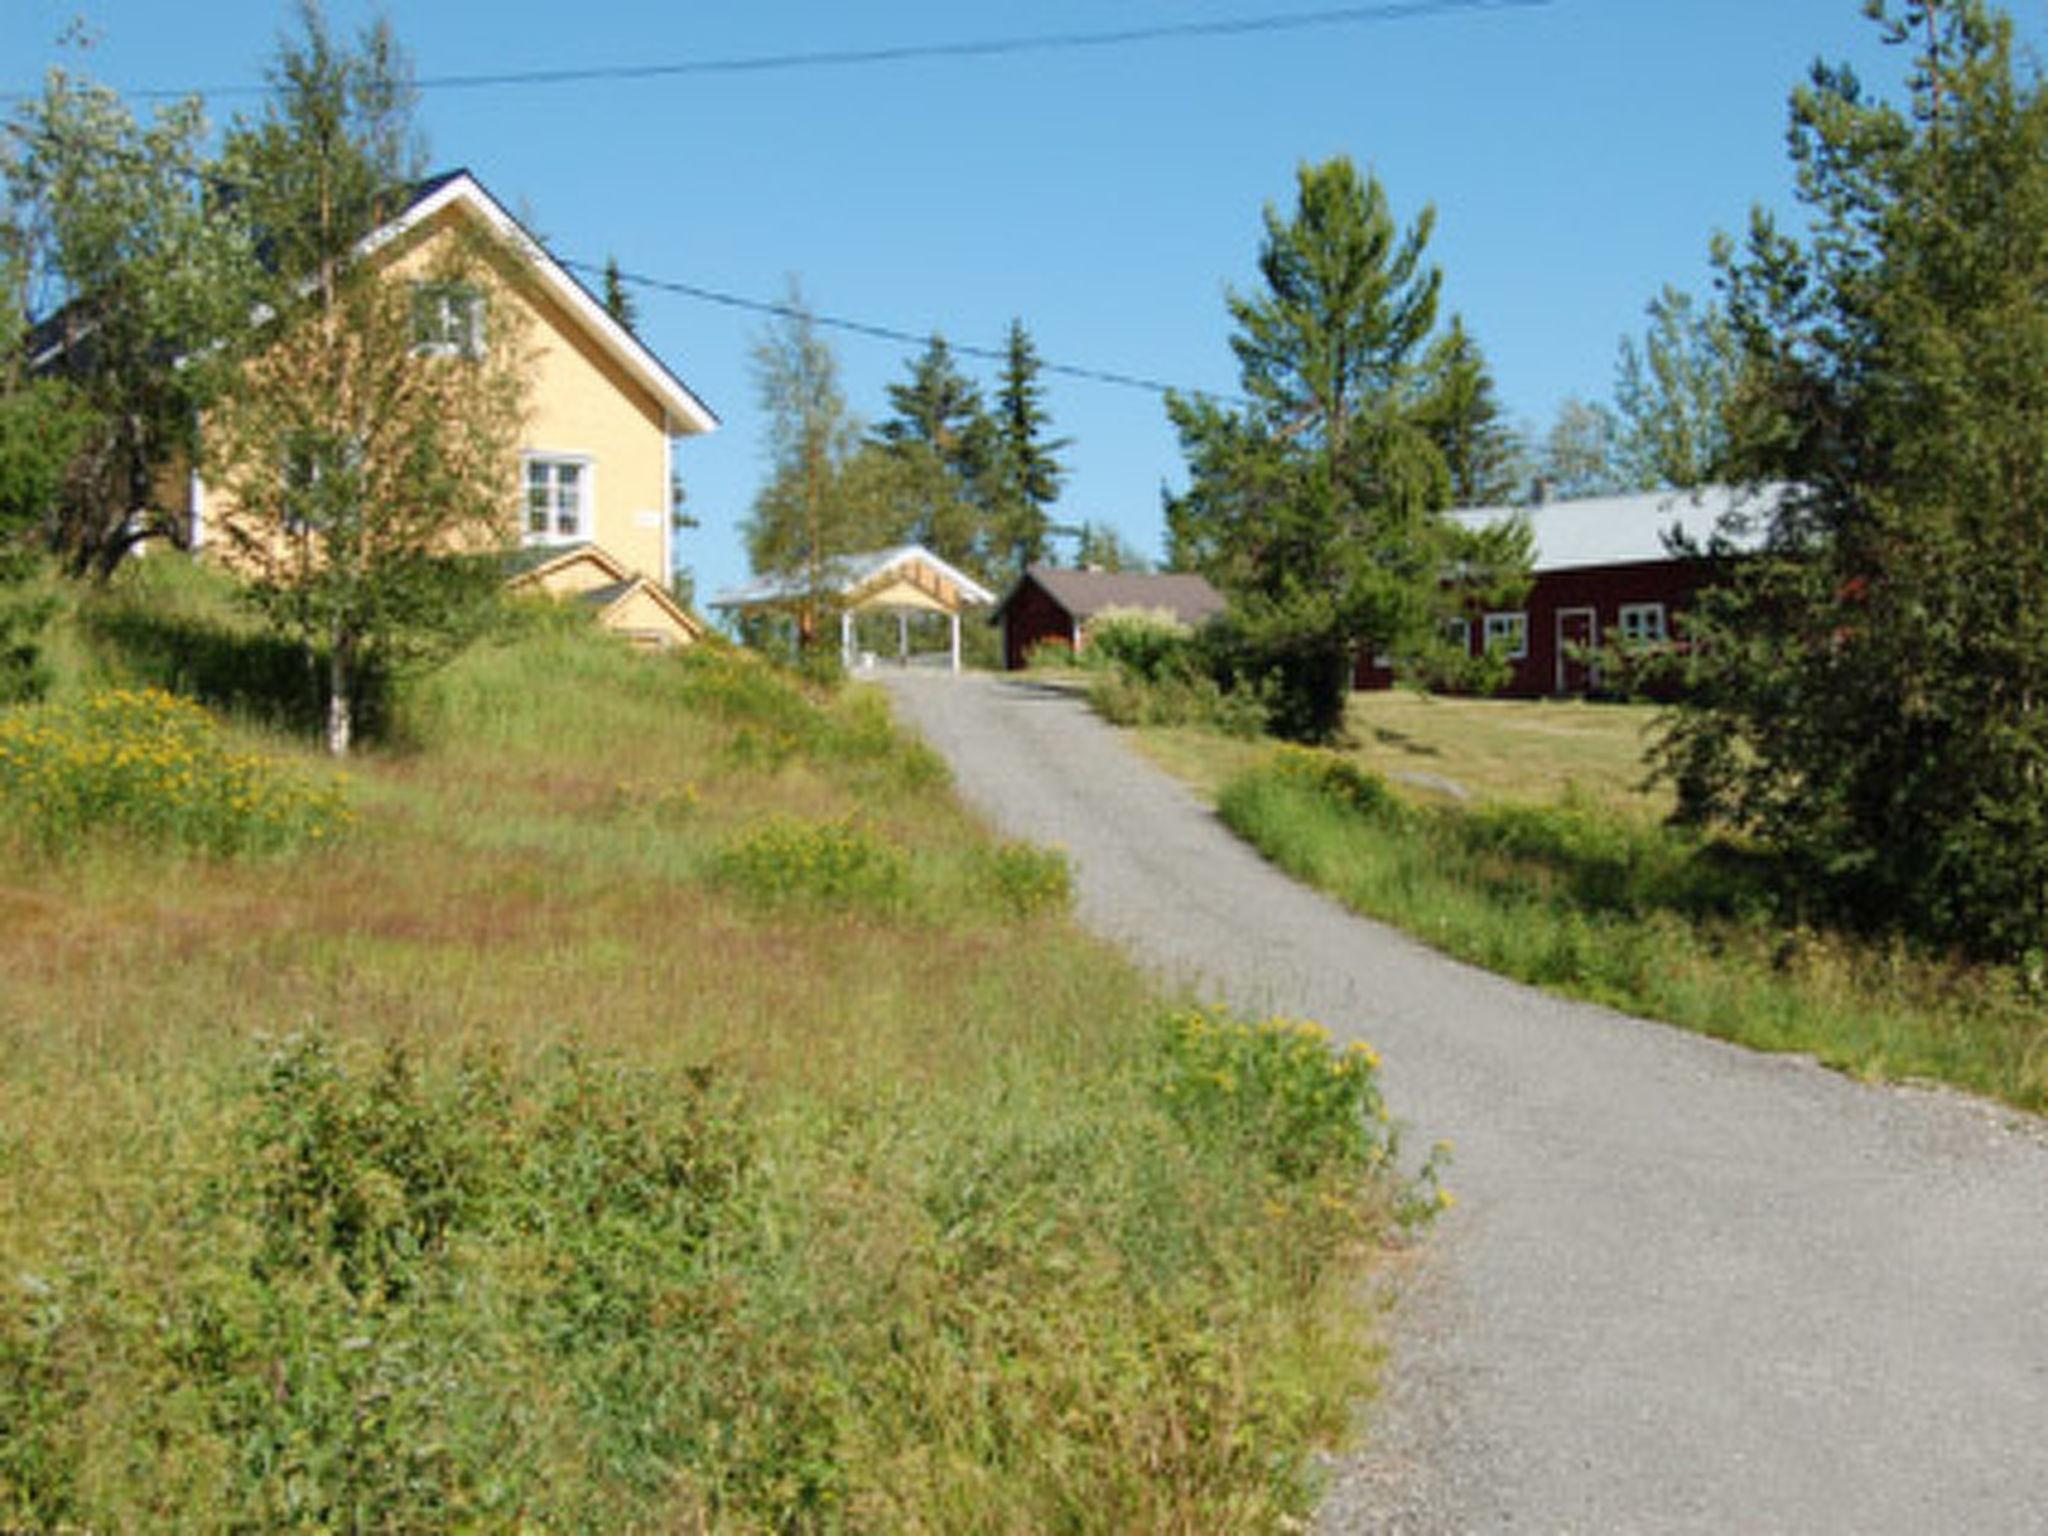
x=1610 y=905
x=654 y=1106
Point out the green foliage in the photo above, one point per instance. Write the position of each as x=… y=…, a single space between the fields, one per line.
x=123 y=229
x=1150 y=645
x=1645 y=917
x=357 y=459
x=1028 y=879
x=820 y=866
x=155 y=769
x=1276 y=1094
x=1317 y=509
x=1027 y=468
x=1866 y=697
x=1673 y=393
x=1333 y=777
x=1458 y=407
x=1150 y=669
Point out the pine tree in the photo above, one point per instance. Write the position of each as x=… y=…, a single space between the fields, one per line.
x=1316 y=508
x=1870 y=690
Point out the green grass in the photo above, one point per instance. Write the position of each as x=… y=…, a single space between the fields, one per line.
x=1530 y=751
x=1606 y=903
x=550 y=1153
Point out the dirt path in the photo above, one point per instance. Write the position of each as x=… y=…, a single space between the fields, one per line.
x=1687 y=1287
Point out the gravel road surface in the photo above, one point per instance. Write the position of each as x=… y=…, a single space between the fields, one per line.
x=1686 y=1288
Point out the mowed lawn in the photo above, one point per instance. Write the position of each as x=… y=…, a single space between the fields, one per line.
x=1517 y=751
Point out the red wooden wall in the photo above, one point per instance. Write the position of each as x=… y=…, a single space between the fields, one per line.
x=1603 y=589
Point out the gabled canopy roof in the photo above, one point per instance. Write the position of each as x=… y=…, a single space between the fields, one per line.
x=1084 y=594
x=1622 y=530
x=869 y=580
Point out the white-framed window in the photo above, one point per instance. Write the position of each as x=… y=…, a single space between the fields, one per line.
x=448 y=318
x=1509 y=634
x=322 y=478
x=558 y=498
x=1643 y=623
x=1458 y=635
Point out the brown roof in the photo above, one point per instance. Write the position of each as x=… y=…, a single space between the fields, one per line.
x=1084 y=594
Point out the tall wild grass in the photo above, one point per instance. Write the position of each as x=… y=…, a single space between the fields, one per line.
x=1627 y=911
x=664 y=1109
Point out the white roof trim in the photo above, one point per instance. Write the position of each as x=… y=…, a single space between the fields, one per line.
x=626 y=349
x=851 y=573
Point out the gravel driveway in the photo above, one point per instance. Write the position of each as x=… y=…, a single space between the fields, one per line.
x=1687 y=1287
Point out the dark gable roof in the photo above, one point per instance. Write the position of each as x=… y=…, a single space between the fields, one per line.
x=1084 y=594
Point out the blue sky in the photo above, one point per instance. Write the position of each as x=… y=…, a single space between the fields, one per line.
x=1579 y=154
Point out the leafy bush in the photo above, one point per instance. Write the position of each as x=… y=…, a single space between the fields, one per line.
x=786 y=861
x=1027 y=879
x=1276 y=1093
x=157 y=769
x=1335 y=778
x=1149 y=644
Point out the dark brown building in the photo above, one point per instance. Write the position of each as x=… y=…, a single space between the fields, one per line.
x=1604 y=575
x=1048 y=605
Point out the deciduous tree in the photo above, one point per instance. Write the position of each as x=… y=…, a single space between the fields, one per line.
x=362 y=454
x=130 y=251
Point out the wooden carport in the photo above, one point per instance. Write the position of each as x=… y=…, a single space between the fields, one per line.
x=906 y=580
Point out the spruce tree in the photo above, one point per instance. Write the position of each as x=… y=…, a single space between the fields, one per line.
x=1028 y=469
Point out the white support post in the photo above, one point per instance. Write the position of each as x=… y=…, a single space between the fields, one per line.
x=956 y=641
x=903 y=638
x=846 y=638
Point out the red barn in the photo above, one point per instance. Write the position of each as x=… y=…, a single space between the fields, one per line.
x=1603 y=573
x=1052 y=605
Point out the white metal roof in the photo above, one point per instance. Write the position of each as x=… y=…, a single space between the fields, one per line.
x=1625 y=530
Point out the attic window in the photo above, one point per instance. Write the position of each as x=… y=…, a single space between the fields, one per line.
x=448 y=319
x=557 y=500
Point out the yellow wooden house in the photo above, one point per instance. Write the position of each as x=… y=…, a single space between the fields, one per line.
x=592 y=510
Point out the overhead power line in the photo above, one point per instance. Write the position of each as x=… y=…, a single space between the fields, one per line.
x=902 y=53
x=896 y=335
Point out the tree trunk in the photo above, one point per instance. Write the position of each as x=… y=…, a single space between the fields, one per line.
x=340 y=690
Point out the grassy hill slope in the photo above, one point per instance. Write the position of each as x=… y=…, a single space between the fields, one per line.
x=650 y=1103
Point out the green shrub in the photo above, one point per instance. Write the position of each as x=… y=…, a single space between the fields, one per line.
x=787 y=861
x=1027 y=879
x=1150 y=645
x=1337 y=779
x=1277 y=1094
x=156 y=769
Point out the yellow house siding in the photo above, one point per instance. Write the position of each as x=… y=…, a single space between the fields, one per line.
x=585 y=407
x=641 y=618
